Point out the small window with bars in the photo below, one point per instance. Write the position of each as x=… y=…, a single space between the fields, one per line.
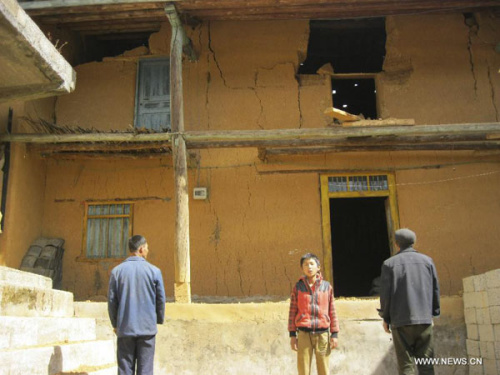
x=108 y=228
x=357 y=183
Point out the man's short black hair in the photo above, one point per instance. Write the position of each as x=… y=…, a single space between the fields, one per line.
x=309 y=256
x=135 y=242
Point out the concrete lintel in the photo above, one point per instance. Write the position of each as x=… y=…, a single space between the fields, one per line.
x=30 y=66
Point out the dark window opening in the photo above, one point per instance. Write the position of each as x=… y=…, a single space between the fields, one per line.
x=351 y=46
x=360 y=244
x=356 y=96
x=98 y=47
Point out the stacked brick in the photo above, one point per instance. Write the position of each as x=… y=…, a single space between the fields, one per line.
x=482 y=317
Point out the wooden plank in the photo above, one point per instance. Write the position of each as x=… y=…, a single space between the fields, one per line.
x=332 y=9
x=101 y=156
x=83 y=147
x=341 y=115
x=484 y=146
x=45 y=4
x=140 y=28
x=255 y=138
x=136 y=16
x=102 y=9
x=237 y=4
x=385 y=122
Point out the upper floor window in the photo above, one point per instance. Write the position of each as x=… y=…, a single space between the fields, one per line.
x=153 y=94
x=107 y=230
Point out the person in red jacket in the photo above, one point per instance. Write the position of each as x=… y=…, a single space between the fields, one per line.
x=312 y=321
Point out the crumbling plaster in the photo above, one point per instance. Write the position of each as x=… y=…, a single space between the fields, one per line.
x=246 y=239
x=439 y=70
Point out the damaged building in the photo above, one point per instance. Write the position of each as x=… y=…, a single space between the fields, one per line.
x=236 y=136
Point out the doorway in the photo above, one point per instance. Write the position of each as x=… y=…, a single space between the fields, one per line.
x=359 y=216
x=360 y=244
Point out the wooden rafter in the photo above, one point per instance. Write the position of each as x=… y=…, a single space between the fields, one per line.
x=69 y=12
x=338 y=139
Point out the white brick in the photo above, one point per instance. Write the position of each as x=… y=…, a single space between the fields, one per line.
x=483 y=316
x=473 y=348
x=497 y=350
x=475 y=369
x=496 y=330
x=483 y=300
x=472 y=332
x=468 y=283
x=495 y=314
x=471 y=300
x=480 y=283
x=487 y=349
x=493 y=279
x=490 y=366
x=486 y=332
x=470 y=315
x=494 y=297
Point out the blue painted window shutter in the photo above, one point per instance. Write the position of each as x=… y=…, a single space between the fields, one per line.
x=153 y=94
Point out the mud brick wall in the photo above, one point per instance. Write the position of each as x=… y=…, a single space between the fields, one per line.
x=482 y=317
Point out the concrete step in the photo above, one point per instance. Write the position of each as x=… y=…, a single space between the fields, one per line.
x=56 y=359
x=101 y=370
x=22 y=332
x=21 y=278
x=23 y=300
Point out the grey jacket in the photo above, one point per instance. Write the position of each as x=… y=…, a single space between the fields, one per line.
x=136 y=298
x=409 y=292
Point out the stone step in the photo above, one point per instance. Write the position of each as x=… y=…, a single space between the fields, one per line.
x=26 y=279
x=56 y=359
x=91 y=309
x=21 y=332
x=101 y=370
x=22 y=300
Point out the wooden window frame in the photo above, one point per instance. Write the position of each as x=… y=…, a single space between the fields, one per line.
x=130 y=216
x=137 y=83
x=392 y=213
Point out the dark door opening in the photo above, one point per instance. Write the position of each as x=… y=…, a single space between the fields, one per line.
x=360 y=243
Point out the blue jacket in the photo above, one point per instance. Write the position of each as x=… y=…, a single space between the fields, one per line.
x=136 y=298
x=409 y=290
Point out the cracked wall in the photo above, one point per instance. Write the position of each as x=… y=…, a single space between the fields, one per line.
x=441 y=69
x=247 y=238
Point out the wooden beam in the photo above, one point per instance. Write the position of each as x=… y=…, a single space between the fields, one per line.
x=243 y=10
x=83 y=147
x=135 y=16
x=182 y=259
x=175 y=22
x=281 y=137
x=477 y=146
x=386 y=122
x=87 y=137
x=102 y=9
x=45 y=4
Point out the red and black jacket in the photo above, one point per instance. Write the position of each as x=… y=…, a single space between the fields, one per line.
x=312 y=309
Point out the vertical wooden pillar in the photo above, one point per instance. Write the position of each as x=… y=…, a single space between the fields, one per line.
x=182 y=289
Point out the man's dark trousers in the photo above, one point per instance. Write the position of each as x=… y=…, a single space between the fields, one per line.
x=414 y=342
x=140 y=347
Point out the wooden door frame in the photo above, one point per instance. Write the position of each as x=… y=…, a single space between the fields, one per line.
x=392 y=213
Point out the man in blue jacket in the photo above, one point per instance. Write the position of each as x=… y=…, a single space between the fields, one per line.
x=409 y=299
x=136 y=304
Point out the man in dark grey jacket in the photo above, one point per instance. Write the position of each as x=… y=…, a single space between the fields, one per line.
x=409 y=299
x=136 y=304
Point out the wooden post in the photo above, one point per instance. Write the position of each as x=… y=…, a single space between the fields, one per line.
x=182 y=288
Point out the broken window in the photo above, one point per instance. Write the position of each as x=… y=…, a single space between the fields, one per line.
x=107 y=230
x=355 y=49
x=153 y=94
